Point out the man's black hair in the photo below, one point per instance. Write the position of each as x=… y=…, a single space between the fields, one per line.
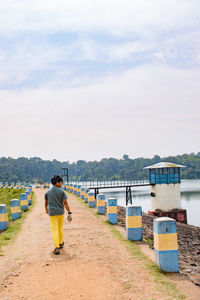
x=56 y=178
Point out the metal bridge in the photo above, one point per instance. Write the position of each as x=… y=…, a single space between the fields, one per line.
x=98 y=185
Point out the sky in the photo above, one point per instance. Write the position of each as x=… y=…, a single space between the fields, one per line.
x=89 y=79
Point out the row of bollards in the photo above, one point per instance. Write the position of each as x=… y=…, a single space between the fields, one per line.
x=164 y=228
x=17 y=206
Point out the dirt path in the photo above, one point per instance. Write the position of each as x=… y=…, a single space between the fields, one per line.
x=93 y=265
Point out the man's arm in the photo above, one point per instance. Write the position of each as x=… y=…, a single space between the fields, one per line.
x=66 y=205
x=69 y=218
x=46 y=205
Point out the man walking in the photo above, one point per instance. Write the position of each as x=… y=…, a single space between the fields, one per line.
x=55 y=201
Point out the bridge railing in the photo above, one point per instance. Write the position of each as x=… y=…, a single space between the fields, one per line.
x=112 y=183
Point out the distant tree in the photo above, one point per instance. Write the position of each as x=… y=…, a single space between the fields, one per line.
x=35 y=169
x=125 y=157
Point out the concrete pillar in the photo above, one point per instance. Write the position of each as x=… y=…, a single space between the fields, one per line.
x=112 y=210
x=28 y=192
x=15 y=209
x=3 y=217
x=134 y=223
x=86 y=195
x=101 y=204
x=166 y=244
x=72 y=188
x=79 y=190
x=91 y=200
x=24 y=201
x=82 y=193
x=75 y=189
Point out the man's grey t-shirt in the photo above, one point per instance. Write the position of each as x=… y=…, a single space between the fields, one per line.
x=55 y=197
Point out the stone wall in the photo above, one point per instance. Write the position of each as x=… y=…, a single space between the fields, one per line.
x=188 y=241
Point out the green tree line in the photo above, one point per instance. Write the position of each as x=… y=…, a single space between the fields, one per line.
x=38 y=170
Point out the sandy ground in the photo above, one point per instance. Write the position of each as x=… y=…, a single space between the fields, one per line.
x=93 y=265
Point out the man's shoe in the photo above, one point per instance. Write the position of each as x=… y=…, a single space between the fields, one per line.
x=61 y=245
x=56 y=251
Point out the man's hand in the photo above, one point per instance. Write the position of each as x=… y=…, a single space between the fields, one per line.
x=69 y=217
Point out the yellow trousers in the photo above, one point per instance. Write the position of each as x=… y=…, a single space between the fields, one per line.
x=56 y=223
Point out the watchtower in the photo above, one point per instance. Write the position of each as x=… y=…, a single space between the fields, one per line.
x=165 y=180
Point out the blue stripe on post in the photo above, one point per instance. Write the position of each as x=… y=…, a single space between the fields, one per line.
x=160 y=227
x=112 y=202
x=101 y=210
x=112 y=218
x=167 y=260
x=100 y=197
x=134 y=234
x=134 y=211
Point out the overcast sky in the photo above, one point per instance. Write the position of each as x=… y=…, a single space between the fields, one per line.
x=88 y=79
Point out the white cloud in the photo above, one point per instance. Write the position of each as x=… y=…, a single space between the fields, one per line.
x=149 y=31
x=148 y=110
x=116 y=16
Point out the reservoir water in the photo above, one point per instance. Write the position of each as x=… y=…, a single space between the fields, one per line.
x=190 y=198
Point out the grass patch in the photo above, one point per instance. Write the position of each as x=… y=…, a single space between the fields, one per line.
x=163 y=284
x=14 y=227
x=8 y=194
x=149 y=242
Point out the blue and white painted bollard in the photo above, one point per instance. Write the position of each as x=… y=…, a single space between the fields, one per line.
x=24 y=201
x=166 y=244
x=15 y=209
x=101 y=204
x=3 y=217
x=91 y=200
x=134 y=223
x=112 y=210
